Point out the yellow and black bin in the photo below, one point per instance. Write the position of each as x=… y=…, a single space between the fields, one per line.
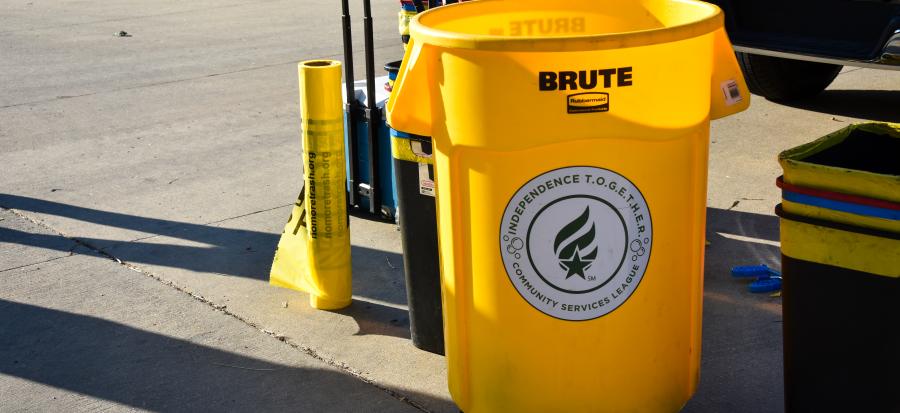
x=840 y=244
x=417 y=218
x=570 y=158
x=414 y=172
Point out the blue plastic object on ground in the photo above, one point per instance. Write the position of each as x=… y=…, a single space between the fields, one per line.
x=767 y=279
x=746 y=271
x=765 y=285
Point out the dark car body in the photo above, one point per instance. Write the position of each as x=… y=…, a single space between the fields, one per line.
x=828 y=32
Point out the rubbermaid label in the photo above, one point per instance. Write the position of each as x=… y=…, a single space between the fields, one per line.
x=588 y=102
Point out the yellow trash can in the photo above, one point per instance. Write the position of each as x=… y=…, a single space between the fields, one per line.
x=571 y=144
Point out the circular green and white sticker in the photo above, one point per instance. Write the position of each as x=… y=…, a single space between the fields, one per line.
x=576 y=241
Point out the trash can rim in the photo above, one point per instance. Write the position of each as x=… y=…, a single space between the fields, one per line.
x=319 y=64
x=710 y=19
x=798 y=171
x=798 y=154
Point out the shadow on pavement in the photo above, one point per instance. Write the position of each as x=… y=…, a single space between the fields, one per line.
x=225 y=251
x=741 y=368
x=111 y=361
x=741 y=358
x=377 y=319
x=878 y=105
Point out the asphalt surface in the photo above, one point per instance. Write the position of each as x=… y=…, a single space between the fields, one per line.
x=144 y=181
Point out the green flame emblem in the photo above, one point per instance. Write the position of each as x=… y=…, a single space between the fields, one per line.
x=570 y=253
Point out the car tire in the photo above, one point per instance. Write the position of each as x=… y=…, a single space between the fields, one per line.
x=781 y=79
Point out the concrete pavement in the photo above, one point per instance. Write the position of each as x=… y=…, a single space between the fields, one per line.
x=81 y=332
x=157 y=170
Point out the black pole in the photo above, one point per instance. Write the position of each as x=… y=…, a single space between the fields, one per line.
x=351 y=107
x=373 y=115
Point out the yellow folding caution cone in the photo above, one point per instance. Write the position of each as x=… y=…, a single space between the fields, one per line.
x=313 y=254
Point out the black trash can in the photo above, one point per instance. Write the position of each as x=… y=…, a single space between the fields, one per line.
x=841 y=326
x=840 y=245
x=417 y=217
x=414 y=173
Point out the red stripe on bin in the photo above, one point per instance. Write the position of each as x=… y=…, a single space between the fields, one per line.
x=837 y=196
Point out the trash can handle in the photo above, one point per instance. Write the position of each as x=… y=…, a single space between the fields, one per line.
x=729 y=93
x=409 y=106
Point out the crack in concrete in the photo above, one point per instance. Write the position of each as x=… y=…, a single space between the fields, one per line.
x=207 y=223
x=37 y=263
x=247 y=214
x=168 y=82
x=309 y=351
x=124 y=19
x=851 y=70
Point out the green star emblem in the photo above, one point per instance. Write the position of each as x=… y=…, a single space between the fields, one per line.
x=575 y=266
